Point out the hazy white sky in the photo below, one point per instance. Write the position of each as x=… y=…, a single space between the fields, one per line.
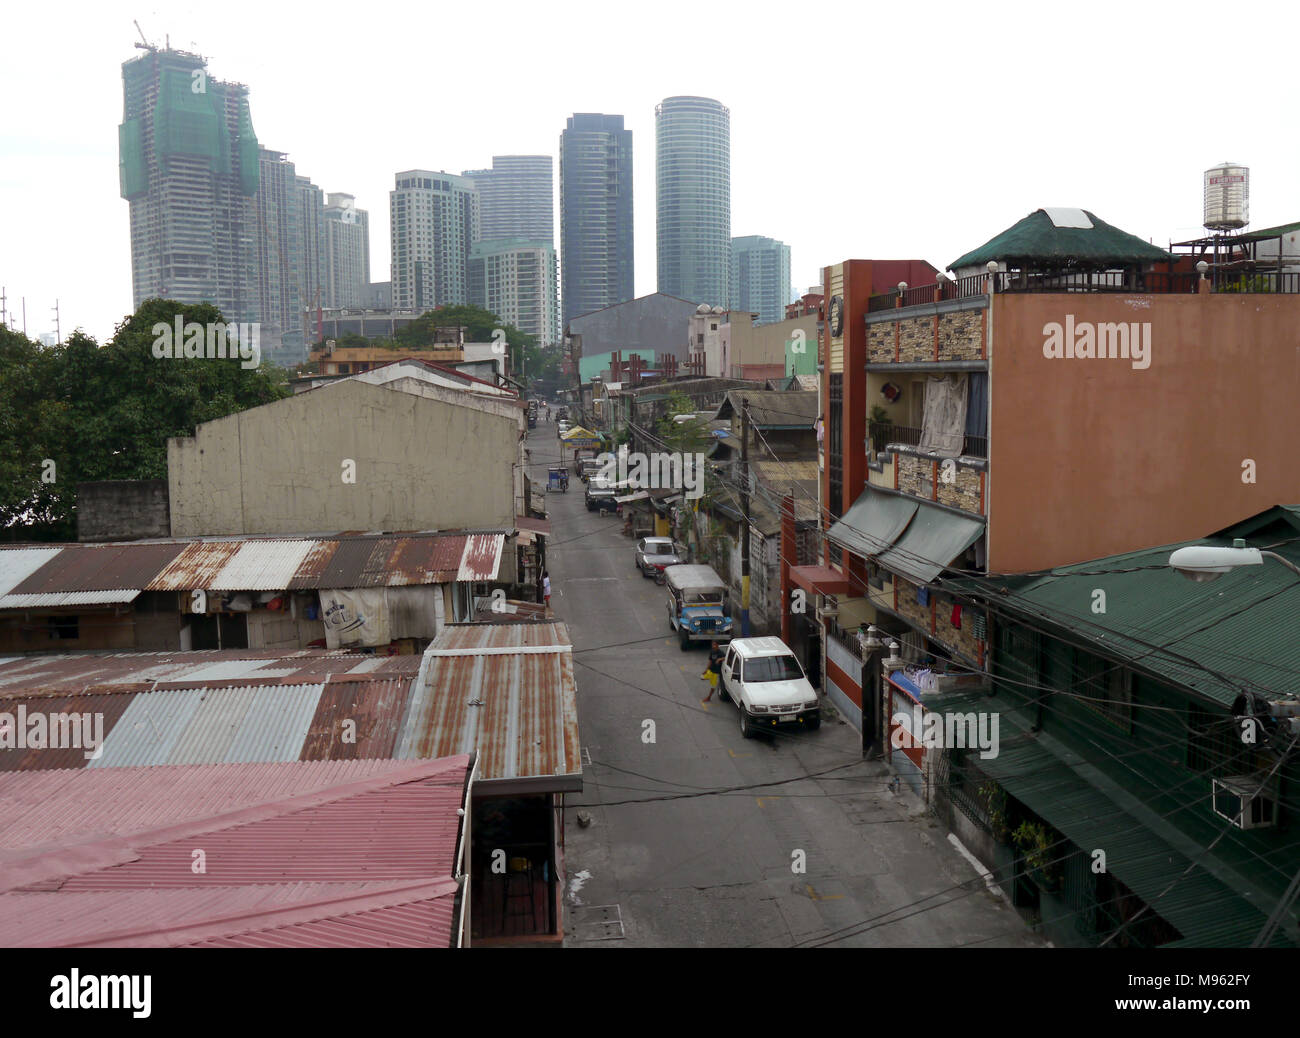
x=858 y=130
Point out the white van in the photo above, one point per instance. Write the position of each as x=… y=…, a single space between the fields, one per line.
x=768 y=685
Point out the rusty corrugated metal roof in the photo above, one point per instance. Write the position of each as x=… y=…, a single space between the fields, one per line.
x=507 y=692
x=482 y=557
x=106 y=574
x=77 y=673
x=196 y=567
x=109 y=567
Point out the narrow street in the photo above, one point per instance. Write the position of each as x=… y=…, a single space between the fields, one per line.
x=710 y=859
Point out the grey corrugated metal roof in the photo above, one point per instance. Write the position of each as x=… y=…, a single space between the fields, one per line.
x=58 y=599
x=212 y=726
x=262 y=566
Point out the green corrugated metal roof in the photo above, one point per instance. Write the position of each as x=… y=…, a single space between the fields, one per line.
x=1036 y=239
x=932 y=540
x=1268 y=232
x=1055 y=784
x=1214 y=638
x=873 y=522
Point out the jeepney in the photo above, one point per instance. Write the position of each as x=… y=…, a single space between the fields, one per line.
x=698 y=606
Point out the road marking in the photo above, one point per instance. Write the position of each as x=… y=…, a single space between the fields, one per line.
x=761 y=799
x=814 y=896
x=737 y=756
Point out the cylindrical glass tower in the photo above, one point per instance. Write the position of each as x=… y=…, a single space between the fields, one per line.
x=693 y=195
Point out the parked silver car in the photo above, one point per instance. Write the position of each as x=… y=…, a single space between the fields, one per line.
x=657 y=554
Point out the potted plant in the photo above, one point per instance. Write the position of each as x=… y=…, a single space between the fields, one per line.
x=881 y=427
x=1037 y=845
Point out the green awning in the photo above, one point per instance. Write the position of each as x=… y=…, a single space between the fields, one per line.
x=934 y=538
x=873 y=522
x=1058 y=786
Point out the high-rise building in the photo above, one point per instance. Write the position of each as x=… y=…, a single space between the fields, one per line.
x=596 y=242
x=693 y=198
x=347 y=252
x=188 y=165
x=760 y=277
x=283 y=262
x=316 y=270
x=515 y=279
x=434 y=221
x=516 y=197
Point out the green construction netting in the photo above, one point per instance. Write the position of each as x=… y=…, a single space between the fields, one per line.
x=133 y=172
x=249 y=167
x=189 y=122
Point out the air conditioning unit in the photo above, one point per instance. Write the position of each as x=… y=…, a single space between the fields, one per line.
x=1241 y=800
x=829 y=608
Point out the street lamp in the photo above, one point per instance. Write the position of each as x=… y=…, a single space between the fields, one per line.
x=1204 y=563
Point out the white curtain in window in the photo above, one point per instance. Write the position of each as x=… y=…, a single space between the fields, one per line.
x=943 y=426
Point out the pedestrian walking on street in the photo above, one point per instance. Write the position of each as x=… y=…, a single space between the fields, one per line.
x=713 y=672
x=546 y=586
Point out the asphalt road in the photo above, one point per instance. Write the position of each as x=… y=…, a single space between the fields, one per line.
x=778 y=841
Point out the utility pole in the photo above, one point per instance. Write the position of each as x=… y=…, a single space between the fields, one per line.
x=58 y=333
x=744 y=517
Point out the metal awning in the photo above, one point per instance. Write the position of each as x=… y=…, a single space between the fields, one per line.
x=820 y=580
x=873 y=522
x=934 y=538
x=1206 y=904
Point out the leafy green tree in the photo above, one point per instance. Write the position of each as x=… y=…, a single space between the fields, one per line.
x=106 y=412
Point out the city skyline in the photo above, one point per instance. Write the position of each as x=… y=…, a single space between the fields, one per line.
x=858 y=193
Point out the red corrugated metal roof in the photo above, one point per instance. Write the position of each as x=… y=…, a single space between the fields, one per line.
x=341 y=854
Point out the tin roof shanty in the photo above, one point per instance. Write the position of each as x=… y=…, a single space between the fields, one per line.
x=506 y=691
x=302 y=854
x=66 y=575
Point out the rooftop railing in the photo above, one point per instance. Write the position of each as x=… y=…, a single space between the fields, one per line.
x=1130 y=281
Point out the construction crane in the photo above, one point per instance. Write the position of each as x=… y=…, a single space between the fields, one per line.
x=145 y=45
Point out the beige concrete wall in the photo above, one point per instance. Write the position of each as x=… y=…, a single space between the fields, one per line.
x=422 y=462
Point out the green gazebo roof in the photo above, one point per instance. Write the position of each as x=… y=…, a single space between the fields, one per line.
x=1059 y=237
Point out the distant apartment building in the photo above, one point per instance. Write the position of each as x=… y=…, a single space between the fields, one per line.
x=760 y=277
x=378 y=296
x=434 y=221
x=514 y=278
x=596 y=240
x=693 y=198
x=282 y=256
x=188 y=166
x=347 y=253
x=312 y=201
x=516 y=197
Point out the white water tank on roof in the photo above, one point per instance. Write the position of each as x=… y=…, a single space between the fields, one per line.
x=1227 y=197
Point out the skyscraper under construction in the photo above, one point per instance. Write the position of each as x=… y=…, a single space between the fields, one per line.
x=189 y=168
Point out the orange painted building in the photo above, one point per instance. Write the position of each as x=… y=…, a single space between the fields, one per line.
x=1047 y=406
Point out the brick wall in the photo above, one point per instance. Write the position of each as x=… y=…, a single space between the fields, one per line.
x=880 y=343
x=960 y=640
x=961 y=335
x=916 y=339
x=959 y=484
